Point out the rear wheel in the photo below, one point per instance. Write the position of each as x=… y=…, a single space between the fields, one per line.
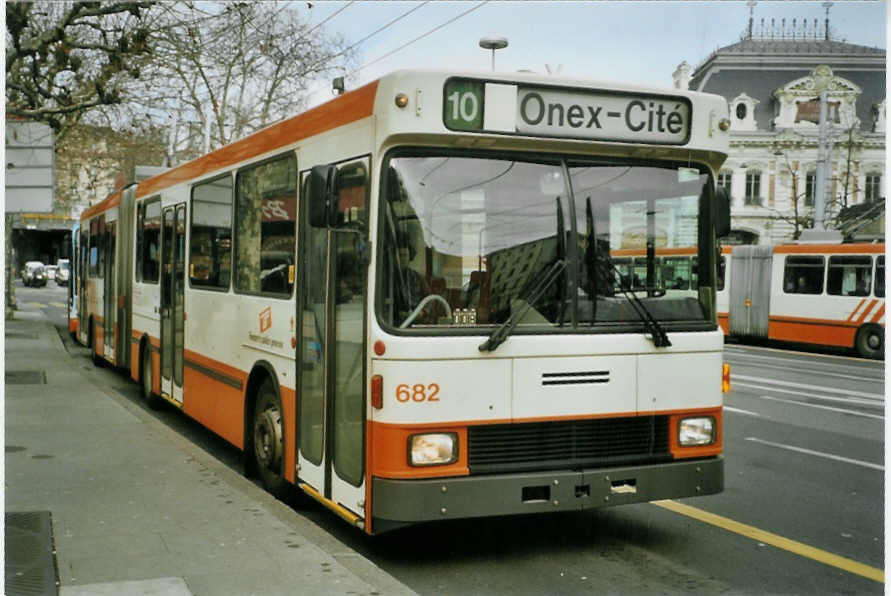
x=147 y=380
x=91 y=343
x=269 y=440
x=870 y=341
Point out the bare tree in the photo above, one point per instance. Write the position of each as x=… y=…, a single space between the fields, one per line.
x=799 y=218
x=229 y=69
x=66 y=58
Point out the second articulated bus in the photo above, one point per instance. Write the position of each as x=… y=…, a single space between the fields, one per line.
x=820 y=294
x=409 y=302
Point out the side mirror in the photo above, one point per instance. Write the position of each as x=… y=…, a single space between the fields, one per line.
x=322 y=196
x=722 y=212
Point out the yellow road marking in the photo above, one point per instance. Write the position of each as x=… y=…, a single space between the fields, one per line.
x=792 y=546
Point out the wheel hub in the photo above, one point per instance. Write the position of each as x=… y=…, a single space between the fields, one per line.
x=267 y=438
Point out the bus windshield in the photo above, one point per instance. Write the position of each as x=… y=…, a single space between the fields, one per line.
x=469 y=241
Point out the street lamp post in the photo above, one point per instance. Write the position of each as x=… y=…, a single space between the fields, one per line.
x=493 y=43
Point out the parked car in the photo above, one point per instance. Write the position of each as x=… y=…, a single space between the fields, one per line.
x=34 y=274
x=63 y=272
x=50 y=272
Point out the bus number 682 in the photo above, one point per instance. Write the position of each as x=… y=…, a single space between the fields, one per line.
x=417 y=393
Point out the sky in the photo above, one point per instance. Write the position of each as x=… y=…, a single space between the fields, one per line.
x=640 y=42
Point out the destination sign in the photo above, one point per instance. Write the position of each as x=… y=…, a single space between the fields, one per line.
x=570 y=113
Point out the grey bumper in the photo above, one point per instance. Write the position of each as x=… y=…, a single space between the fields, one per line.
x=398 y=502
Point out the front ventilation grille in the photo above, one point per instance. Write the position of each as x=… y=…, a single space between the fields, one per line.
x=573 y=444
x=575 y=378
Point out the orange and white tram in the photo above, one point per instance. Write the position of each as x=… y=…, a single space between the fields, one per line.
x=404 y=301
x=822 y=294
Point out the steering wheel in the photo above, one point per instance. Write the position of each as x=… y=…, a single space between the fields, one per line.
x=423 y=303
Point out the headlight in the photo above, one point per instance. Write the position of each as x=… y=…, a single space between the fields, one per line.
x=696 y=431
x=433 y=449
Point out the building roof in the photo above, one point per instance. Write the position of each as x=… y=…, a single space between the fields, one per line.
x=758 y=66
x=791 y=46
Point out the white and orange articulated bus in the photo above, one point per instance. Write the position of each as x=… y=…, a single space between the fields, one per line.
x=819 y=294
x=403 y=301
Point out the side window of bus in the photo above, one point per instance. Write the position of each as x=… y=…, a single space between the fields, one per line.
x=148 y=240
x=352 y=191
x=880 y=277
x=676 y=273
x=803 y=275
x=265 y=215
x=849 y=276
x=210 y=252
x=97 y=247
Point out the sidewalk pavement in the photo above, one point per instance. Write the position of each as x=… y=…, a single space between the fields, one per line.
x=136 y=508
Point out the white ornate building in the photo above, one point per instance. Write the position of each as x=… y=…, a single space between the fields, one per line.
x=772 y=79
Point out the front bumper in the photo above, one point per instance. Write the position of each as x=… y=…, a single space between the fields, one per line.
x=400 y=502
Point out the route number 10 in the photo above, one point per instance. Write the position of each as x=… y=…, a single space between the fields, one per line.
x=463 y=109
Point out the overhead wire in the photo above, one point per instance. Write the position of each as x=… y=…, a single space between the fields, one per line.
x=420 y=37
x=406 y=44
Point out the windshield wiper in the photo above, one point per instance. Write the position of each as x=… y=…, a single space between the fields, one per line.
x=660 y=338
x=552 y=273
x=503 y=331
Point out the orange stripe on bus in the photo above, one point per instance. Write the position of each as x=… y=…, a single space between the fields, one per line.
x=830 y=333
x=289 y=419
x=388 y=443
x=878 y=315
x=859 y=304
x=833 y=249
x=638 y=252
x=867 y=311
x=216 y=366
x=215 y=404
x=389 y=452
x=345 y=109
x=112 y=200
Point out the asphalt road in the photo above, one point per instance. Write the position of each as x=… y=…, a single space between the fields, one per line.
x=802 y=511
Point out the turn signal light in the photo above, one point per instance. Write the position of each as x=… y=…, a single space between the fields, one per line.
x=725 y=378
x=377 y=392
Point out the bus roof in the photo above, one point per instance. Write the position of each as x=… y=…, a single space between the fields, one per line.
x=344 y=109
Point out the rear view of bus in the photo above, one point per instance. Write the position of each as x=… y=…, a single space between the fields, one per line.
x=513 y=365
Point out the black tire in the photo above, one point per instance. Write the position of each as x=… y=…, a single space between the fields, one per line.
x=268 y=441
x=870 y=341
x=145 y=379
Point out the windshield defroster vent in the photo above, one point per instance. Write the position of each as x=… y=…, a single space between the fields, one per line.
x=575 y=378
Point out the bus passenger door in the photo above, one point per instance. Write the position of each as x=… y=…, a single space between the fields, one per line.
x=331 y=362
x=172 y=294
x=82 y=274
x=109 y=306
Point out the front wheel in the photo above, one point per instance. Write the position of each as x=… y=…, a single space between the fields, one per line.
x=870 y=342
x=269 y=440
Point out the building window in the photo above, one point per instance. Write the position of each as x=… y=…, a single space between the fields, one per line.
x=741 y=111
x=810 y=188
x=873 y=190
x=803 y=275
x=724 y=179
x=753 y=187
